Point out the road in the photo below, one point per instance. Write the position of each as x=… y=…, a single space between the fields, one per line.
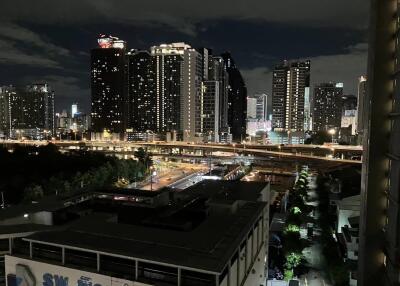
x=313 y=254
x=173 y=176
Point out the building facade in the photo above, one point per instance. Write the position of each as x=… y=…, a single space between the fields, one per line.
x=207 y=117
x=142 y=91
x=237 y=99
x=174 y=88
x=258 y=106
x=109 y=86
x=217 y=72
x=327 y=106
x=362 y=107
x=28 y=112
x=289 y=84
x=379 y=246
x=5 y=110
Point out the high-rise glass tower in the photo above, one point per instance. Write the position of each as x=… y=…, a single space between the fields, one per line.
x=142 y=91
x=379 y=249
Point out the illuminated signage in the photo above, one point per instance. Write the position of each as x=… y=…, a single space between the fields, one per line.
x=110 y=42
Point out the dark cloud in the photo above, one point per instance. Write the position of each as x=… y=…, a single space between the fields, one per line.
x=51 y=40
x=182 y=14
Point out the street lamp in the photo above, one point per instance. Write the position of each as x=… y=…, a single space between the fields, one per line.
x=332 y=132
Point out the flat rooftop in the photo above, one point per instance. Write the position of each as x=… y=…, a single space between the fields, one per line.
x=208 y=247
x=187 y=233
x=226 y=190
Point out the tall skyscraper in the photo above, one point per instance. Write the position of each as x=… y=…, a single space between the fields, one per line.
x=379 y=247
x=142 y=91
x=218 y=73
x=289 y=86
x=5 y=110
x=207 y=119
x=74 y=109
x=237 y=99
x=362 y=107
x=327 y=106
x=178 y=87
x=31 y=111
x=109 y=86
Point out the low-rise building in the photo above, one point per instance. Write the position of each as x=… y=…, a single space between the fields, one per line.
x=214 y=233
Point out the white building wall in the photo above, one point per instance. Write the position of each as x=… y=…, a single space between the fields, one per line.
x=44 y=217
x=249 y=253
x=242 y=264
x=32 y=273
x=233 y=281
x=256 y=276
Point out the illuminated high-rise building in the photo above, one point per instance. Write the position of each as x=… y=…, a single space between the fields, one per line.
x=31 y=111
x=109 y=86
x=327 y=106
x=207 y=119
x=212 y=106
x=218 y=73
x=142 y=91
x=74 y=109
x=5 y=110
x=379 y=249
x=237 y=99
x=178 y=87
x=291 y=82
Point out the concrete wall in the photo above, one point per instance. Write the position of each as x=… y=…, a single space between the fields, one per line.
x=44 y=217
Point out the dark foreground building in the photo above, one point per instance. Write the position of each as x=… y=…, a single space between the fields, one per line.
x=379 y=250
x=212 y=234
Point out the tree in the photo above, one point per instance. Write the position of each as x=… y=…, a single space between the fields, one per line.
x=319 y=138
x=32 y=193
x=143 y=157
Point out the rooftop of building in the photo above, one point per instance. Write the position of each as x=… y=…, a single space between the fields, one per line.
x=226 y=190
x=190 y=232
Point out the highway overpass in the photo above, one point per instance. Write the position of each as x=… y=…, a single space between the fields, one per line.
x=335 y=154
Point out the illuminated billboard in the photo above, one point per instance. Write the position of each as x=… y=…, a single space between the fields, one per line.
x=110 y=42
x=24 y=272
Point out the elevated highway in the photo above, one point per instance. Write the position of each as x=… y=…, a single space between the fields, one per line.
x=334 y=154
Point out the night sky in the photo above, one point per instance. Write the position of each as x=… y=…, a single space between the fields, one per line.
x=50 y=40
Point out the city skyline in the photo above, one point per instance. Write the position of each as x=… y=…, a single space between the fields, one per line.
x=199 y=144
x=337 y=50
